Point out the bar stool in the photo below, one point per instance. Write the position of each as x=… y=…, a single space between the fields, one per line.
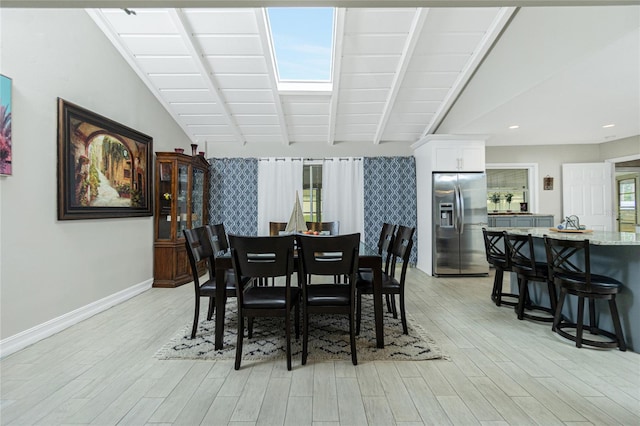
x=563 y=257
x=496 y=251
x=523 y=263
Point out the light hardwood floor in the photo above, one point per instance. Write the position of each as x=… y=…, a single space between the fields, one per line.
x=500 y=371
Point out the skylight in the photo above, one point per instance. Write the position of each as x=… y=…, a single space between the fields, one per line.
x=302 y=39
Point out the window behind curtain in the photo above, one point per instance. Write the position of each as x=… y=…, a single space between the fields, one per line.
x=312 y=192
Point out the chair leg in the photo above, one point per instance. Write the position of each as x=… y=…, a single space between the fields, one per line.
x=580 y=321
x=358 y=310
x=388 y=299
x=616 y=324
x=196 y=316
x=403 y=315
x=558 y=316
x=593 y=327
x=305 y=335
x=250 y=327
x=496 y=295
x=553 y=297
x=287 y=324
x=523 y=295
x=352 y=335
x=239 y=340
x=392 y=297
x=296 y=312
x=212 y=307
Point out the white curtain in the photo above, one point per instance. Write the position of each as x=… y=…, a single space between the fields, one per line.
x=343 y=194
x=278 y=181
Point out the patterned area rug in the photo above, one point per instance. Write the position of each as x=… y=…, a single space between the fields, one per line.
x=328 y=339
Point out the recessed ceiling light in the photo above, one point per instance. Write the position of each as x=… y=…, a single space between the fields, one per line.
x=606 y=126
x=515 y=126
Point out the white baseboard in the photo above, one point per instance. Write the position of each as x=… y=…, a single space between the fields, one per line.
x=42 y=331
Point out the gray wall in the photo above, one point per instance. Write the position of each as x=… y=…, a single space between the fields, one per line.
x=50 y=267
x=550 y=159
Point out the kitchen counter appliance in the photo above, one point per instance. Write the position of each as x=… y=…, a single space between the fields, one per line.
x=459 y=213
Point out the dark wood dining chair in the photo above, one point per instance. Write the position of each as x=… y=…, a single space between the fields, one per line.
x=199 y=249
x=391 y=283
x=260 y=258
x=276 y=227
x=384 y=245
x=570 y=268
x=495 y=246
x=325 y=256
x=332 y=227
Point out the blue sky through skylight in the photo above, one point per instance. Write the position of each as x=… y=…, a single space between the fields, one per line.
x=302 y=39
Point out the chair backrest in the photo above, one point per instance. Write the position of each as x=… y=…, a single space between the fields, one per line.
x=332 y=227
x=495 y=246
x=199 y=248
x=385 y=243
x=520 y=252
x=276 y=227
x=401 y=250
x=217 y=238
x=568 y=258
x=329 y=255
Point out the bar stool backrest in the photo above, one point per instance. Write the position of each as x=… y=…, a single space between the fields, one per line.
x=568 y=259
x=495 y=245
x=521 y=255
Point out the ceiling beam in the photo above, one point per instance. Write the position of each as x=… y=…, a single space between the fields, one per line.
x=484 y=47
x=297 y=3
x=338 y=38
x=267 y=49
x=186 y=33
x=405 y=58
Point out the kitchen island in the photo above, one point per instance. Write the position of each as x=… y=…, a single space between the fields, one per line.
x=615 y=254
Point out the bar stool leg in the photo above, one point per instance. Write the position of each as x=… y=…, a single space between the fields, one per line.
x=580 y=321
x=616 y=324
x=593 y=327
x=558 y=316
x=524 y=295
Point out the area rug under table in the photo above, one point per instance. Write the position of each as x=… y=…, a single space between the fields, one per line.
x=328 y=339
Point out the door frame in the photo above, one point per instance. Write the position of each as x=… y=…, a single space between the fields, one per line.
x=614 y=189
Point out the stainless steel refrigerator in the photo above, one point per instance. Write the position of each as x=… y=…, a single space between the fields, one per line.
x=459 y=213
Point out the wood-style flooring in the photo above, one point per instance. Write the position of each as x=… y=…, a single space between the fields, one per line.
x=500 y=371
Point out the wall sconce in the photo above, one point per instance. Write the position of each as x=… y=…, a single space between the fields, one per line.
x=547 y=183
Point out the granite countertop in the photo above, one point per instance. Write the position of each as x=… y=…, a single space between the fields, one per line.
x=599 y=238
x=517 y=214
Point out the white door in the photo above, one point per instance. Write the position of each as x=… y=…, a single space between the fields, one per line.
x=586 y=193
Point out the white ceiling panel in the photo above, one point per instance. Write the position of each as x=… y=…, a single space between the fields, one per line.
x=222 y=21
x=187 y=95
x=400 y=74
x=238 y=64
x=156 y=44
x=236 y=44
x=373 y=44
x=166 y=64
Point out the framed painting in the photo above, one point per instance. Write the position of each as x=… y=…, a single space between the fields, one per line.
x=5 y=126
x=104 y=168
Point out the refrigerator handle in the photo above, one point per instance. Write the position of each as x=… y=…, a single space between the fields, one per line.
x=461 y=209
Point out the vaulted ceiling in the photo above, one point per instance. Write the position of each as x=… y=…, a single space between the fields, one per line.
x=395 y=72
x=557 y=73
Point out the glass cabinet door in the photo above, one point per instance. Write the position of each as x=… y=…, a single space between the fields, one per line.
x=183 y=209
x=165 y=200
x=197 y=198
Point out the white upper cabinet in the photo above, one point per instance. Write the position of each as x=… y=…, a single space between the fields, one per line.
x=449 y=154
x=465 y=157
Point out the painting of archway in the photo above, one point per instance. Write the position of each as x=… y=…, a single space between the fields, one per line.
x=103 y=167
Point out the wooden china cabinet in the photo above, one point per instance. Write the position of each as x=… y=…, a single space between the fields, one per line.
x=182 y=197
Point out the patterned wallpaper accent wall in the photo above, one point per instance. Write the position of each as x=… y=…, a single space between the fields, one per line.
x=233 y=196
x=390 y=196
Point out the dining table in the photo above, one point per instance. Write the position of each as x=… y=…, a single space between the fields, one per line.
x=368 y=257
